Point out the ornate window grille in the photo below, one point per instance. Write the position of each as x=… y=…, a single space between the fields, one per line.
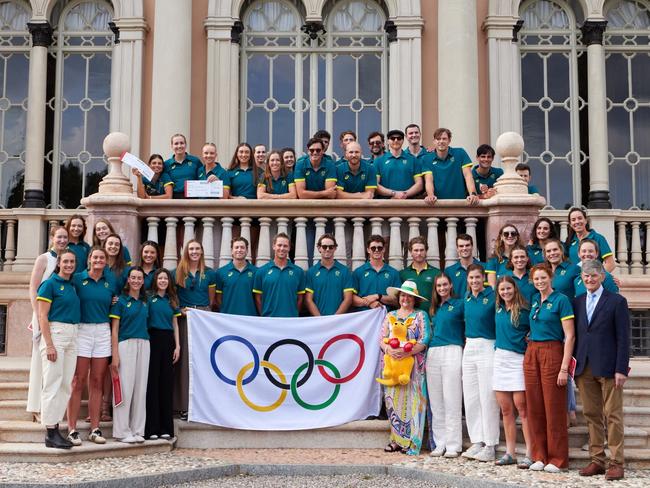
x=299 y=77
x=552 y=102
x=627 y=47
x=79 y=100
x=14 y=73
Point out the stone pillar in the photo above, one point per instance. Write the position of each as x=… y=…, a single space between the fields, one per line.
x=34 y=196
x=457 y=52
x=592 y=36
x=172 y=65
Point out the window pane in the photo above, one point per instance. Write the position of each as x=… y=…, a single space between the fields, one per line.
x=345 y=78
x=616 y=77
x=12 y=177
x=640 y=77
x=74 y=78
x=284 y=78
x=13 y=16
x=618 y=128
x=99 y=77
x=283 y=132
x=271 y=16
x=258 y=78
x=561 y=188
x=620 y=184
x=357 y=15
x=88 y=16
x=557 y=66
x=17 y=77
x=370 y=78
x=532 y=76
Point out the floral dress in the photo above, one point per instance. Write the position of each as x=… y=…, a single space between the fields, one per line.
x=406 y=405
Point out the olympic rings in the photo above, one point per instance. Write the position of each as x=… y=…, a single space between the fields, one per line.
x=258 y=408
x=296 y=381
x=301 y=345
x=362 y=357
x=326 y=403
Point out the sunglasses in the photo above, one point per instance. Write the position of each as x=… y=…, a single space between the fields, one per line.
x=376 y=143
x=376 y=248
x=510 y=233
x=315 y=150
x=328 y=247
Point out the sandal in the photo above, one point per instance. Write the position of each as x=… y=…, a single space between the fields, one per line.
x=392 y=447
x=106 y=413
x=506 y=460
x=525 y=463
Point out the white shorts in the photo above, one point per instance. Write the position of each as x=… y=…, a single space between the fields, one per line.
x=94 y=340
x=508 y=371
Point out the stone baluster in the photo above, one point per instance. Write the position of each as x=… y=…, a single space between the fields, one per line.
x=226 y=237
x=245 y=232
x=433 y=254
x=358 y=243
x=375 y=226
x=647 y=245
x=152 y=229
x=621 y=248
x=301 y=242
x=564 y=230
x=283 y=225
x=320 y=223
x=636 y=267
x=470 y=229
x=395 y=257
x=414 y=231
x=170 y=256
x=450 y=244
x=264 y=242
x=10 y=246
x=341 y=252
x=188 y=234
x=208 y=241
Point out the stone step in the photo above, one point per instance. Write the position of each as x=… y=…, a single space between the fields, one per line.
x=16 y=410
x=17 y=452
x=13 y=390
x=636 y=397
x=632 y=416
x=14 y=369
x=22 y=431
x=634 y=458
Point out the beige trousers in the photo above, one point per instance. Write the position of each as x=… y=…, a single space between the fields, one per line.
x=129 y=418
x=57 y=375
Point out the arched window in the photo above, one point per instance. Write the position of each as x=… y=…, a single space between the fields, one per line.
x=298 y=78
x=553 y=100
x=14 y=73
x=79 y=89
x=627 y=50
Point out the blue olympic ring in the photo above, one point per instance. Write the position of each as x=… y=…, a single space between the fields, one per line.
x=256 y=359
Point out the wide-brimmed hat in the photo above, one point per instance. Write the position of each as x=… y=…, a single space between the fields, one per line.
x=409 y=287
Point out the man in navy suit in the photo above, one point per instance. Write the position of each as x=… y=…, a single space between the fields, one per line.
x=602 y=353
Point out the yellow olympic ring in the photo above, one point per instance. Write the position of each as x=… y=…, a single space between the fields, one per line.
x=242 y=395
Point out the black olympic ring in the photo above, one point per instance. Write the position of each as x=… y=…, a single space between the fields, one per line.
x=301 y=345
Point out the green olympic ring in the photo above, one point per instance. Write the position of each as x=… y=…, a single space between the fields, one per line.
x=294 y=388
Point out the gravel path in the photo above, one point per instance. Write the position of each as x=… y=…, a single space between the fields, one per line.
x=346 y=481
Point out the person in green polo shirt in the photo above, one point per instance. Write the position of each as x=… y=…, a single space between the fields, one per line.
x=377 y=145
x=523 y=170
x=543 y=229
x=457 y=272
x=588 y=251
x=579 y=229
x=243 y=173
x=517 y=268
x=279 y=285
x=76 y=227
x=507 y=238
x=234 y=292
x=277 y=181
x=315 y=177
x=419 y=270
x=419 y=152
x=182 y=166
x=212 y=170
x=564 y=271
x=160 y=186
x=483 y=173
x=399 y=175
x=329 y=284
x=345 y=138
x=372 y=279
x=448 y=170
x=355 y=178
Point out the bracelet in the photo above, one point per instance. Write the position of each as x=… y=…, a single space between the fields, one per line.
x=563 y=371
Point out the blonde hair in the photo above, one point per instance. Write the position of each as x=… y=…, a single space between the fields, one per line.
x=518 y=301
x=183 y=268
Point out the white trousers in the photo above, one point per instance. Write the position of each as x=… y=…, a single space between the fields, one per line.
x=446 y=396
x=129 y=418
x=481 y=407
x=57 y=375
x=35 y=372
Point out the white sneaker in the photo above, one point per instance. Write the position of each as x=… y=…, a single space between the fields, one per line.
x=552 y=468
x=486 y=455
x=585 y=447
x=166 y=437
x=437 y=452
x=96 y=437
x=451 y=454
x=537 y=466
x=153 y=437
x=129 y=439
x=73 y=437
x=473 y=451
x=138 y=438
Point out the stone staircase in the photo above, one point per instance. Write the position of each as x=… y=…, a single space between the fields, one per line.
x=21 y=440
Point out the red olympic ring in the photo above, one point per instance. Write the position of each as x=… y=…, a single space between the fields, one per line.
x=362 y=357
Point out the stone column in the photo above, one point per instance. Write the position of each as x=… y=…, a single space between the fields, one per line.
x=592 y=36
x=172 y=66
x=457 y=53
x=34 y=196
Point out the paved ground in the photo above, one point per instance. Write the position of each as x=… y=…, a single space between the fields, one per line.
x=343 y=481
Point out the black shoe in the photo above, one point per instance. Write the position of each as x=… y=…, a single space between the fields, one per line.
x=183 y=416
x=56 y=440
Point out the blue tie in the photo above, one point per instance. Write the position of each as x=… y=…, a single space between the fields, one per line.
x=591 y=305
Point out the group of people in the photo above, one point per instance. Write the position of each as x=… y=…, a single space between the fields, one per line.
x=391 y=171
x=498 y=336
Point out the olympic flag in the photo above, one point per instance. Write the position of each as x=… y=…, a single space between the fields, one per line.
x=260 y=373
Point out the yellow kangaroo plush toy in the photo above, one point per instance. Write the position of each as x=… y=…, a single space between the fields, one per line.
x=397 y=371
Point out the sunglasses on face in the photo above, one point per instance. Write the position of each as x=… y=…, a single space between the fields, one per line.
x=376 y=248
x=375 y=143
x=315 y=150
x=396 y=138
x=510 y=233
x=328 y=247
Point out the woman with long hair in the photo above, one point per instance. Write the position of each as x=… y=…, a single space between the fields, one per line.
x=243 y=173
x=444 y=359
x=579 y=229
x=150 y=261
x=507 y=238
x=518 y=268
x=165 y=350
x=195 y=284
x=116 y=265
x=76 y=227
x=276 y=183
x=543 y=229
x=43 y=268
x=546 y=372
x=130 y=345
x=161 y=186
x=512 y=326
x=101 y=230
x=95 y=288
x=288 y=158
x=564 y=271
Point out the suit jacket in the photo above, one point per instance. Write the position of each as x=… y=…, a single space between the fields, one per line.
x=604 y=342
